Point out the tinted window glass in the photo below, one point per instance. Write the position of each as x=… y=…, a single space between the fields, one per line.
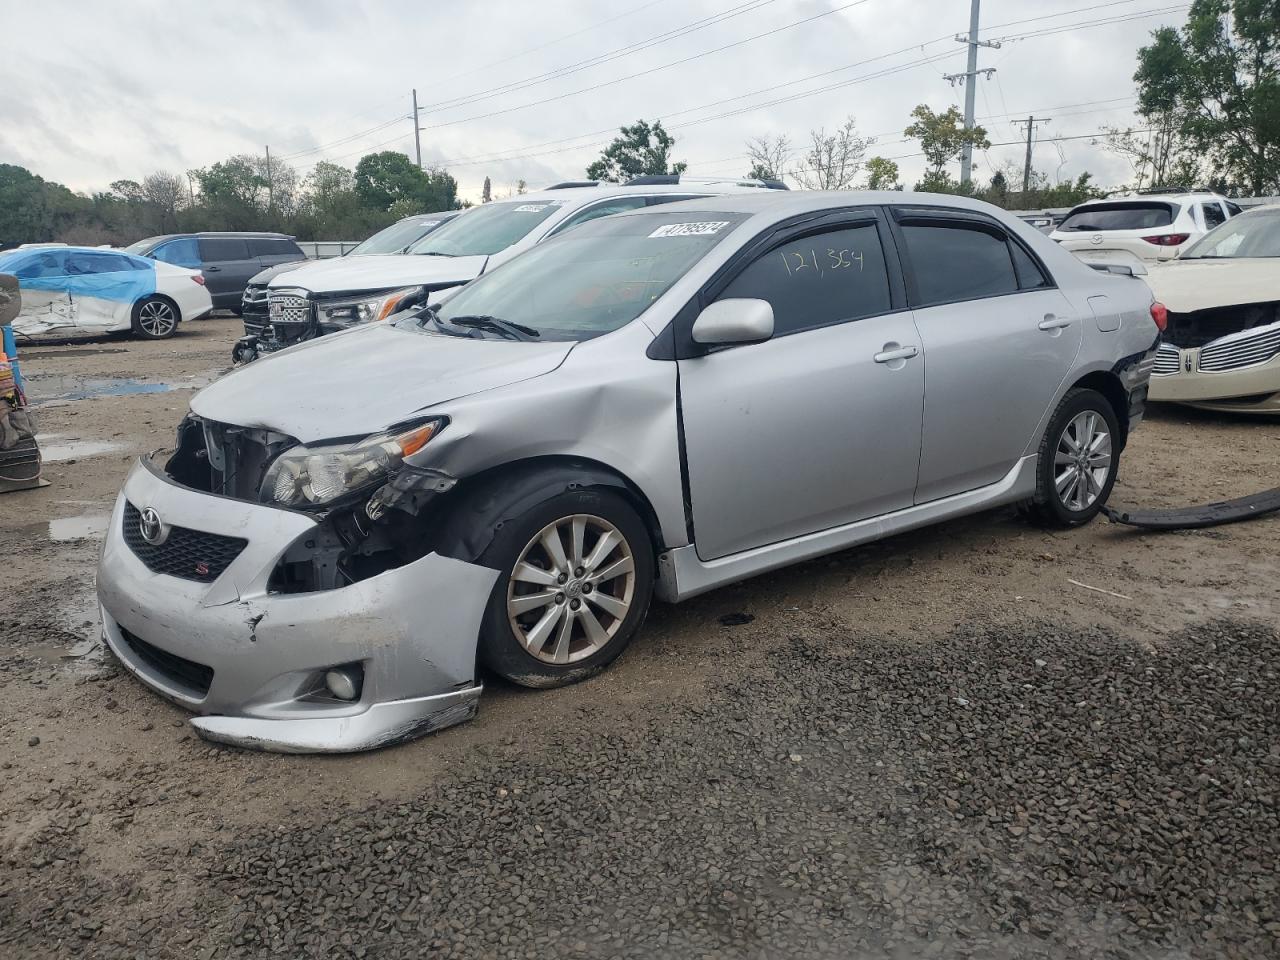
x=1233 y=209
x=396 y=237
x=1137 y=215
x=958 y=263
x=819 y=280
x=80 y=264
x=590 y=281
x=42 y=265
x=181 y=253
x=484 y=231
x=271 y=247
x=213 y=249
x=1213 y=215
x=1030 y=276
x=602 y=210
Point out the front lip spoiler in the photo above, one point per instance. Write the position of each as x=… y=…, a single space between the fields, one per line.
x=1204 y=515
x=382 y=725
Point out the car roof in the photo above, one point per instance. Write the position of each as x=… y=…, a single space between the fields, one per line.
x=245 y=234
x=1157 y=197
x=580 y=196
x=785 y=203
x=415 y=217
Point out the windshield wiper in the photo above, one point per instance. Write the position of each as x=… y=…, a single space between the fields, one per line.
x=514 y=331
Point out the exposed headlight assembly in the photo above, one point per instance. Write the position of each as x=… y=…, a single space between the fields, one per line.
x=369 y=308
x=306 y=477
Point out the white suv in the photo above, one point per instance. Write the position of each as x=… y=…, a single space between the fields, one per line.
x=1141 y=228
x=326 y=296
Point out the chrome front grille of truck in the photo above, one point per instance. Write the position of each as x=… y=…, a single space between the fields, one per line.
x=1234 y=354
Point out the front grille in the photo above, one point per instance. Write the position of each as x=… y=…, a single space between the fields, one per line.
x=1168 y=360
x=253 y=310
x=288 y=308
x=1239 y=352
x=194 y=677
x=189 y=554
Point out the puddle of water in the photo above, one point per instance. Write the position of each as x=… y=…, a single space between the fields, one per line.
x=55 y=448
x=45 y=388
x=86 y=526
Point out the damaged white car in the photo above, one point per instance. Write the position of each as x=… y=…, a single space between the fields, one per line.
x=657 y=402
x=68 y=290
x=1221 y=350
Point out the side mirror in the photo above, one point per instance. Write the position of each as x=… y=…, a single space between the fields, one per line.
x=734 y=321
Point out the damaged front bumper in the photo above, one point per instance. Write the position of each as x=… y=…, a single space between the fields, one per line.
x=252 y=662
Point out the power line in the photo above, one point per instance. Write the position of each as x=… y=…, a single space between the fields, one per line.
x=559 y=72
x=644 y=73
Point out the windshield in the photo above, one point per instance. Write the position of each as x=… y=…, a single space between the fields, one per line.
x=590 y=281
x=484 y=231
x=141 y=245
x=396 y=237
x=1142 y=215
x=1255 y=234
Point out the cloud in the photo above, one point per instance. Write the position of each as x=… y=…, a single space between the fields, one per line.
x=99 y=92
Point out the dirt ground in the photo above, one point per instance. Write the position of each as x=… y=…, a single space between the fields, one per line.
x=753 y=790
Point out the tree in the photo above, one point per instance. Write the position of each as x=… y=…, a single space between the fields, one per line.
x=998 y=192
x=642 y=149
x=768 y=156
x=1219 y=80
x=942 y=137
x=1161 y=157
x=833 y=160
x=882 y=174
x=382 y=179
x=487 y=193
x=233 y=193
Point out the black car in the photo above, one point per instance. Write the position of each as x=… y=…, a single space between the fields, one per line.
x=394 y=239
x=227 y=260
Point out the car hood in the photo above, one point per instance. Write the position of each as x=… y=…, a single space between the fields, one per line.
x=380 y=272
x=262 y=276
x=1187 y=285
x=361 y=381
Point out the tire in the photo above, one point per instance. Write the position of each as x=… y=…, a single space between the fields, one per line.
x=1072 y=492
x=522 y=635
x=155 y=318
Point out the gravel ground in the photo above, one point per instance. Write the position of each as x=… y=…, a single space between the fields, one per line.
x=934 y=746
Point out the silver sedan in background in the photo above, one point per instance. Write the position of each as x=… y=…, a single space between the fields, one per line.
x=656 y=403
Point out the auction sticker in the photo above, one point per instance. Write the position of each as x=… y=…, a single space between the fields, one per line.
x=704 y=228
x=532 y=207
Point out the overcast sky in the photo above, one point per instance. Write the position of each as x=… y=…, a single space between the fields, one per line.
x=98 y=92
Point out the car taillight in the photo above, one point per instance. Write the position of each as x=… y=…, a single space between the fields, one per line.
x=1160 y=314
x=198 y=279
x=1168 y=239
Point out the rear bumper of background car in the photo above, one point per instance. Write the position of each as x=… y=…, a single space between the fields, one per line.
x=252 y=663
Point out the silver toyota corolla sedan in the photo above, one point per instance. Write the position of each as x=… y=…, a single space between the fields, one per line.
x=656 y=403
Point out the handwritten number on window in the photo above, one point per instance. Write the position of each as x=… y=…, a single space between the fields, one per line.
x=797 y=261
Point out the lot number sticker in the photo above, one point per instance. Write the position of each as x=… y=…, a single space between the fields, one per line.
x=703 y=228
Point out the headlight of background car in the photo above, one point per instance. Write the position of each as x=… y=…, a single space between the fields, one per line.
x=315 y=476
x=366 y=309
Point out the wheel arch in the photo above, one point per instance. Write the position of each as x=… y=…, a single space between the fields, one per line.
x=1108 y=384
x=490 y=496
x=137 y=304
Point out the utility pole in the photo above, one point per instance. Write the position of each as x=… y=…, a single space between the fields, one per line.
x=1026 y=169
x=417 y=130
x=271 y=193
x=970 y=80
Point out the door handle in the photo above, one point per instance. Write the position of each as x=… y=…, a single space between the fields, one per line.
x=1050 y=322
x=900 y=353
x=212 y=269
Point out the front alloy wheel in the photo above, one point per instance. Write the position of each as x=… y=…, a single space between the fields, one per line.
x=571 y=589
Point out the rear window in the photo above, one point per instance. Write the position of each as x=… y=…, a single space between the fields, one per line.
x=213 y=249
x=1133 y=215
x=273 y=247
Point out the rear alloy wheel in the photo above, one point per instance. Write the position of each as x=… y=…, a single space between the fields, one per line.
x=154 y=318
x=1078 y=460
x=577 y=577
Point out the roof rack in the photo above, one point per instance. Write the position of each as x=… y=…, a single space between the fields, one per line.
x=672 y=179
x=573 y=184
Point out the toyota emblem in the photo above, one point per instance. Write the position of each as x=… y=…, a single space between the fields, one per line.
x=154 y=530
x=1096 y=239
